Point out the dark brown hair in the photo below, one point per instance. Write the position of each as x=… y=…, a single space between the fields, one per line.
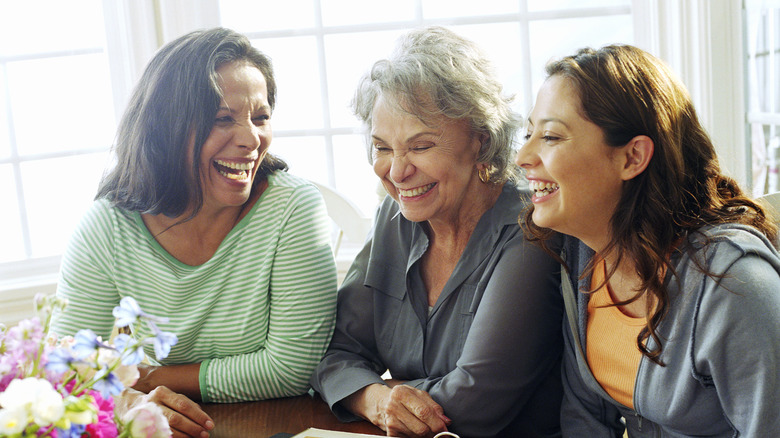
x=628 y=92
x=176 y=101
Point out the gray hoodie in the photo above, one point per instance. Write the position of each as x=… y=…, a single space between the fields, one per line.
x=721 y=346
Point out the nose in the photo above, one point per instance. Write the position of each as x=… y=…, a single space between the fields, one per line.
x=251 y=136
x=526 y=155
x=401 y=168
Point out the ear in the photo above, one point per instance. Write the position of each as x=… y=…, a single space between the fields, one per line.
x=636 y=155
x=478 y=141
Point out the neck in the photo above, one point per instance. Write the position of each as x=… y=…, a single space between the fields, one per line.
x=456 y=231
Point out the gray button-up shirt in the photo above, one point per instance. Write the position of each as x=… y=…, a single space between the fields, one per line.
x=488 y=352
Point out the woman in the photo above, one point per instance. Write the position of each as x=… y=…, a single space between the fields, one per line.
x=200 y=224
x=471 y=337
x=675 y=274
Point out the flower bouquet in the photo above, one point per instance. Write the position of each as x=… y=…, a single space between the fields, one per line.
x=65 y=387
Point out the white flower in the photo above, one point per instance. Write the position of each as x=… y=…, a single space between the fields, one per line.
x=34 y=397
x=12 y=421
x=147 y=420
x=48 y=406
x=127 y=374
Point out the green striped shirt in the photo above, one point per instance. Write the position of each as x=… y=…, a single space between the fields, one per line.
x=258 y=315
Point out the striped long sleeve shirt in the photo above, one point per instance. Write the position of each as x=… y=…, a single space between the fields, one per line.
x=258 y=315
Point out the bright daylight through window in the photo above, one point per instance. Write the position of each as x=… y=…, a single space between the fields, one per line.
x=57 y=111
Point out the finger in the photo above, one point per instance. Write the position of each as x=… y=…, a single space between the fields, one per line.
x=417 y=410
x=182 y=413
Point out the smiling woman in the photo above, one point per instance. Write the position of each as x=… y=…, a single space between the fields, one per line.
x=198 y=222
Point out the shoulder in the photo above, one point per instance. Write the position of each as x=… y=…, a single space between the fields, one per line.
x=292 y=190
x=721 y=246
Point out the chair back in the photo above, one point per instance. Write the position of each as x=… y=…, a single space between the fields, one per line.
x=348 y=217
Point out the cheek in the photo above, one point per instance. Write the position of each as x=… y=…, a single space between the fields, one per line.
x=381 y=166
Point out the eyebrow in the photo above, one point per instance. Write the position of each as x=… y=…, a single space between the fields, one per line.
x=410 y=139
x=547 y=120
x=227 y=108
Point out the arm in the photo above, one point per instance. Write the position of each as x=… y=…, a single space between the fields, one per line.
x=86 y=282
x=738 y=330
x=352 y=361
x=302 y=312
x=513 y=346
x=85 y=278
x=348 y=378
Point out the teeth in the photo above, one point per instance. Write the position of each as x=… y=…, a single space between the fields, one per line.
x=542 y=188
x=236 y=166
x=416 y=191
x=242 y=175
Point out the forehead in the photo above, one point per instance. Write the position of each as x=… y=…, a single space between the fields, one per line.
x=557 y=98
x=241 y=77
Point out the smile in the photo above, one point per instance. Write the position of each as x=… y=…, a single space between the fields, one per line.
x=234 y=171
x=542 y=188
x=417 y=191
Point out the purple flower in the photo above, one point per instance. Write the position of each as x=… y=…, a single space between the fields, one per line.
x=127 y=312
x=132 y=353
x=107 y=383
x=60 y=360
x=163 y=343
x=86 y=343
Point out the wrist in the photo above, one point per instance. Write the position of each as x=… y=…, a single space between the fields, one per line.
x=367 y=401
x=145 y=379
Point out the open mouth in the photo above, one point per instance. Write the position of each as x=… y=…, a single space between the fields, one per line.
x=417 y=191
x=234 y=171
x=542 y=189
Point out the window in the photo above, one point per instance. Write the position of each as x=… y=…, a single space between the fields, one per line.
x=66 y=70
x=56 y=122
x=763 y=80
x=320 y=48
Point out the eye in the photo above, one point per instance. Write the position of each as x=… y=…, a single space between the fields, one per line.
x=261 y=119
x=550 y=138
x=224 y=120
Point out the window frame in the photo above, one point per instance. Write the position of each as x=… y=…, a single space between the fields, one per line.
x=700 y=39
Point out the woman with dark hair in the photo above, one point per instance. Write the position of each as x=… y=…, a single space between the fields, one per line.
x=471 y=337
x=673 y=286
x=199 y=223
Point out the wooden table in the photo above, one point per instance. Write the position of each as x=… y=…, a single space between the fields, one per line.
x=262 y=419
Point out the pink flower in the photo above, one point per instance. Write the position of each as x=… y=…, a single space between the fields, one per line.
x=105 y=427
x=147 y=420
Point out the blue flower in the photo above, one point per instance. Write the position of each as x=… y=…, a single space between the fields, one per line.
x=86 y=344
x=75 y=431
x=127 y=312
x=132 y=353
x=107 y=383
x=60 y=360
x=163 y=343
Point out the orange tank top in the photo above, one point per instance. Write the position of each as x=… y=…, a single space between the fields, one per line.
x=611 y=346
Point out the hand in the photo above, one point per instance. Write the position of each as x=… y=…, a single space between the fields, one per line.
x=401 y=411
x=184 y=416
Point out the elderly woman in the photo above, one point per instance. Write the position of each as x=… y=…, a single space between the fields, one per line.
x=447 y=294
x=199 y=223
x=673 y=289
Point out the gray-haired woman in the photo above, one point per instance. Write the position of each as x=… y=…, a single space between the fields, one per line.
x=447 y=294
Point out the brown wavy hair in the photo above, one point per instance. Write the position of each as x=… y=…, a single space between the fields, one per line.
x=628 y=92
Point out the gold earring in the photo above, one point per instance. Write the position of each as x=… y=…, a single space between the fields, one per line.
x=484 y=175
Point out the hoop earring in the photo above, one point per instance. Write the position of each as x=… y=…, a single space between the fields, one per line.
x=484 y=175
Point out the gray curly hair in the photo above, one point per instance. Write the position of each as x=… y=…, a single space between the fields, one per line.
x=435 y=65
